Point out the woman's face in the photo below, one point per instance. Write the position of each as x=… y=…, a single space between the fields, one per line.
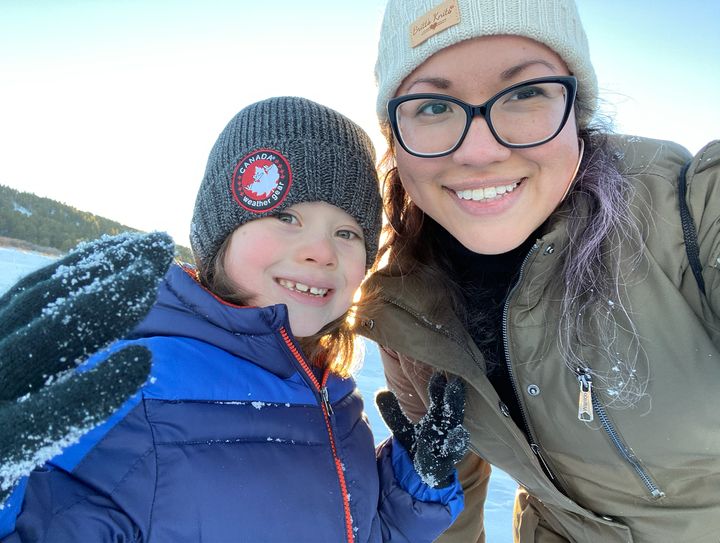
x=529 y=183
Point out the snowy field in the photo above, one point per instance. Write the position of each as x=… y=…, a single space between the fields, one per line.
x=498 y=509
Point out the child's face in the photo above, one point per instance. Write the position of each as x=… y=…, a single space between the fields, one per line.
x=311 y=257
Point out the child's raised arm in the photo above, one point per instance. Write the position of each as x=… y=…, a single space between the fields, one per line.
x=50 y=322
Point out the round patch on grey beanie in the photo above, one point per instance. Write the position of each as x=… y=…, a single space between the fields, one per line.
x=261 y=180
x=280 y=152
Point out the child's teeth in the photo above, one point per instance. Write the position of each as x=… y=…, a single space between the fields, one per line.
x=300 y=287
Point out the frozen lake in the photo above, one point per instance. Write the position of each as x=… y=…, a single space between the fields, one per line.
x=498 y=508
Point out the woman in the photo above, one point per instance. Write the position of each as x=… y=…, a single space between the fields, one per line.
x=543 y=260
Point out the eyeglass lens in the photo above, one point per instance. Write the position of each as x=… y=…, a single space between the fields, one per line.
x=525 y=115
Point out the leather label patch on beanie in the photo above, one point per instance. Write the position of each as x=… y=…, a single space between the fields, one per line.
x=261 y=180
x=434 y=21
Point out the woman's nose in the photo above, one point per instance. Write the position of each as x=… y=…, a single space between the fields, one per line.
x=480 y=146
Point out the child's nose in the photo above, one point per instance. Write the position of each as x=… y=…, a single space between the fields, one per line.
x=321 y=251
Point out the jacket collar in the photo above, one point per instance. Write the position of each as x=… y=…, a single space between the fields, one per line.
x=185 y=308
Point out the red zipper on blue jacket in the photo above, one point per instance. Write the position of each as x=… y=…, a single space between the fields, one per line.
x=322 y=393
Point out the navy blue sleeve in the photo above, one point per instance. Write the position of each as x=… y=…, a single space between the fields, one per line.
x=409 y=510
x=98 y=490
x=60 y=509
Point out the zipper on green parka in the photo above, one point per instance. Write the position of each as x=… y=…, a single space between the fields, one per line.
x=534 y=446
x=587 y=402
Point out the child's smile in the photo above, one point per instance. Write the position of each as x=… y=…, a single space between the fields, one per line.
x=303 y=288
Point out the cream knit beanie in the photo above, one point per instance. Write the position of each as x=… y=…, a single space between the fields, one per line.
x=413 y=30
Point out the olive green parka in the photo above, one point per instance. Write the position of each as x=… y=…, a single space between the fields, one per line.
x=649 y=472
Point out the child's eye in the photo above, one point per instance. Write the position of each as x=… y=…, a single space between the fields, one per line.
x=287 y=218
x=348 y=234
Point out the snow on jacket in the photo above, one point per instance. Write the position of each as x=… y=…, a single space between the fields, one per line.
x=650 y=473
x=232 y=439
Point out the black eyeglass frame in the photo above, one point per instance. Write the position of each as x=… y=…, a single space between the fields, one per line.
x=472 y=111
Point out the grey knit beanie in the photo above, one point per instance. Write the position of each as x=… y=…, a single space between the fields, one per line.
x=280 y=152
x=413 y=30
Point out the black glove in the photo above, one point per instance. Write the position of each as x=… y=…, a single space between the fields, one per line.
x=50 y=321
x=438 y=441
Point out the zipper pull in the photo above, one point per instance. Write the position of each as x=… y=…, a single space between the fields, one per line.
x=585 y=407
x=536 y=449
x=325 y=396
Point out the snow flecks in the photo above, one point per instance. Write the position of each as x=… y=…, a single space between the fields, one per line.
x=255 y=404
x=13 y=469
x=430 y=323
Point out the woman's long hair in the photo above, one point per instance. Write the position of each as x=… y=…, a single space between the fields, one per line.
x=598 y=216
x=335 y=346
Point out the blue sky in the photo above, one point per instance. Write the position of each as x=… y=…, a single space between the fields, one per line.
x=112 y=107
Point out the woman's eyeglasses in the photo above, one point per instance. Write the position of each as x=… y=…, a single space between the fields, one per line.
x=527 y=114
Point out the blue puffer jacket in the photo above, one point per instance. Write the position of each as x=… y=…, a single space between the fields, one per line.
x=232 y=439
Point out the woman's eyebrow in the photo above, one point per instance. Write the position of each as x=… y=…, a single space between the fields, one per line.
x=441 y=83
x=438 y=82
x=511 y=73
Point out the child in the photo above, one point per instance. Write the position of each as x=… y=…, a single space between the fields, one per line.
x=250 y=428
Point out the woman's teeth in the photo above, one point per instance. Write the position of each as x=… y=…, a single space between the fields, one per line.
x=485 y=194
x=305 y=289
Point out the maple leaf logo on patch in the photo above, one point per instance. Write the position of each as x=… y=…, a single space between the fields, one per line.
x=265 y=180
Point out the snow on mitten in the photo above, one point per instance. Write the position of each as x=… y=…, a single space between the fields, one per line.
x=438 y=441
x=50 y=322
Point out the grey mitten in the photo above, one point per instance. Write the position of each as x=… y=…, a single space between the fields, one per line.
x=50 y=322
x=438 y=441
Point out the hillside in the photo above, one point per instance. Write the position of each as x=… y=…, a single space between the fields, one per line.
x=45 y=224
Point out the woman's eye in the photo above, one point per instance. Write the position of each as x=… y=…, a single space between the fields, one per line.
x=526 y=93
x=434 y=108
x=348 y=234
x=288 y=218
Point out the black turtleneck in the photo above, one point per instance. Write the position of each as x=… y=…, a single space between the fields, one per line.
x=485 y=282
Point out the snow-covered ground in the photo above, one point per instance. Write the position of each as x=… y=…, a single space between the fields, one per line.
x=498 y=509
